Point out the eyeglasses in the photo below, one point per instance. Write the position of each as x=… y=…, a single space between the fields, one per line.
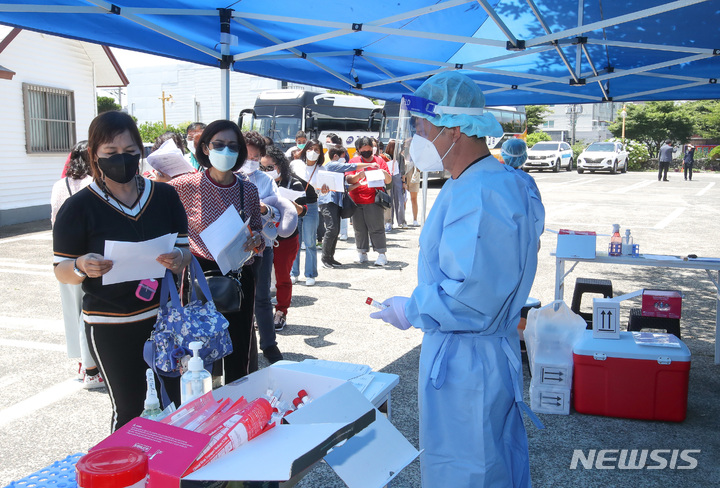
x=219 y=146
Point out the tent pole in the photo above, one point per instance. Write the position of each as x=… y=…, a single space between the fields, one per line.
x=226 y=61
x=424 y=197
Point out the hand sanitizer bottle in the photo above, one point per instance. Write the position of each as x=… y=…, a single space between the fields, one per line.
x=615 y=242
x=152 y=404
x=627 y=243
x=197 y=380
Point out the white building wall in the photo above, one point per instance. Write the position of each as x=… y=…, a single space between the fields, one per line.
x=590 y=125
x=49 y=61
x=195 y=91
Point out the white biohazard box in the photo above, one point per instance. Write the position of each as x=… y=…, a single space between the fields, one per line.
x=606 y=318
x=552 y=374
x=550 y=399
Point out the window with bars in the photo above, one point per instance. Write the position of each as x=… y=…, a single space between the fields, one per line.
x=49 y=119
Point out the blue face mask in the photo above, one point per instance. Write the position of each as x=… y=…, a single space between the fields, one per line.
x=301 y=146
x=223 y=160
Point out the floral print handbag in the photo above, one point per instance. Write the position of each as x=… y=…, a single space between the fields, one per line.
x=177 y=326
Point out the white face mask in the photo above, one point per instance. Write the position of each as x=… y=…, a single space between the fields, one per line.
x=273 y=174
x=191 y=146
x=223 y=160
x=341 y=160
x=250 y=166
x=424 y=154
x=312 y=155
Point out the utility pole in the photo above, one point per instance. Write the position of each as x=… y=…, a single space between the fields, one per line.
x=164 y=99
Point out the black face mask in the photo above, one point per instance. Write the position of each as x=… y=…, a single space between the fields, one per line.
x=120 y=168
x=366 y=154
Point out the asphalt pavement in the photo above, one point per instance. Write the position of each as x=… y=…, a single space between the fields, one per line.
x=45 y=415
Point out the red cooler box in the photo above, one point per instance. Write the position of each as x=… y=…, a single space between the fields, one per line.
x=623 y=379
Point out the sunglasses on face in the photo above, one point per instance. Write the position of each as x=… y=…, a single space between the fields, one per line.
x=219 y=146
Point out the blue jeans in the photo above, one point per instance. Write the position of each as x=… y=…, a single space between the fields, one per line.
x=262 y=268
x=307 y=228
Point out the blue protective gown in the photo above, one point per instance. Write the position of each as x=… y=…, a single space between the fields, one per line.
x=477 y=263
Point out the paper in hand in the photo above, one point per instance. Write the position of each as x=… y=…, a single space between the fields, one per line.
x=375 y=178
x=133 y=261
x=169 y=160
x=334 y=181
x=225 y=239
x=289 y=194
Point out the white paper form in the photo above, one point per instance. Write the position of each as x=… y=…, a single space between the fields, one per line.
x=225 y=239
x=334 y=181
x=134 y=261
x=291 y=195
x=375 y=178
x=169 y=160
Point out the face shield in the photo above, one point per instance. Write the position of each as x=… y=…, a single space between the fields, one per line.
x=419 y=124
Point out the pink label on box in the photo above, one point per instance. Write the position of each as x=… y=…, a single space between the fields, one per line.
x=170 y=450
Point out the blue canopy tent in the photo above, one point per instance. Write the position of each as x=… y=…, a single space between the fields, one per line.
x=519 y=51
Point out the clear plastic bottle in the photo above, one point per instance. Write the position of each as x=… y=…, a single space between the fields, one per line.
x=197 y=380
x=615 y=242
x=151 y=409
x=627 y=243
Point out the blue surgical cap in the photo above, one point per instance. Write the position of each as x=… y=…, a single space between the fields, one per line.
x=453 y=89
x=514 y=152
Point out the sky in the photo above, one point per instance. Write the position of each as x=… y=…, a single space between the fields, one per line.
x=132 y=59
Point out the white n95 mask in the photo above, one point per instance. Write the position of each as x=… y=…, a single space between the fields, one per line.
x=424 y=154
x=223 y=160
x=312 y=155
x=250 y=166
x=273 y=174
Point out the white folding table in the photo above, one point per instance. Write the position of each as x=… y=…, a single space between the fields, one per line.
x=710 y=265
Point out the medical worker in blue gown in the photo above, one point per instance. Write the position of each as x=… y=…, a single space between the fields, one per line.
x=514 y=154
x=477 y=262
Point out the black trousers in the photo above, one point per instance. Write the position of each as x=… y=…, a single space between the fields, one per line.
x=663 y=170
x=118 y=352
x=688 y=170
x=330 y=213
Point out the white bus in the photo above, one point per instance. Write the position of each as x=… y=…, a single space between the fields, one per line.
x=280 y=114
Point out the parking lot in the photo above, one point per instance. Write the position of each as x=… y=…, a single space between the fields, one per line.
x=45 y=414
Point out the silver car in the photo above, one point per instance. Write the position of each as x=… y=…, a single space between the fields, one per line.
x=603 y=156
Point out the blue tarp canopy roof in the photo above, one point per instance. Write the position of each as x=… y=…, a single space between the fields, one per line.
x=519 y=52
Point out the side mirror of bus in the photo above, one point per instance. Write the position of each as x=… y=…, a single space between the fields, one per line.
x=246 y=120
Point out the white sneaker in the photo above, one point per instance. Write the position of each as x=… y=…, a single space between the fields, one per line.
x=93 y=382
x=381 y=260
x=342 y=237
x=416 y=223
x=293 y=279
x=388 y=227
x=309 y=281
x=362 y=258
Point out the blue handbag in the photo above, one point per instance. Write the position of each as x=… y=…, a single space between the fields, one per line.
x=177 y=326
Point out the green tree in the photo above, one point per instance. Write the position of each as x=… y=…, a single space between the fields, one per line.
x=106 y=104
x=654 y=122
x=535 y=117
x=149 y=131
x=706 y=115
x=536 y=137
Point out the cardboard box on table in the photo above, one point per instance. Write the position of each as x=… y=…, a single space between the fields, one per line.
x=619 y=378
x=576 y=244
x=662 y=303
x=372 y=454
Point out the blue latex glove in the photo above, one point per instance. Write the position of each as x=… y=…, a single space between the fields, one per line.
x=394 y=313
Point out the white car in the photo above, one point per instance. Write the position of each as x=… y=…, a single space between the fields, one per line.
x=603 y=156
x=549 y=155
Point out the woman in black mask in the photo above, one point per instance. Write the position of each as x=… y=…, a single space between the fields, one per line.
x=118 y=205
